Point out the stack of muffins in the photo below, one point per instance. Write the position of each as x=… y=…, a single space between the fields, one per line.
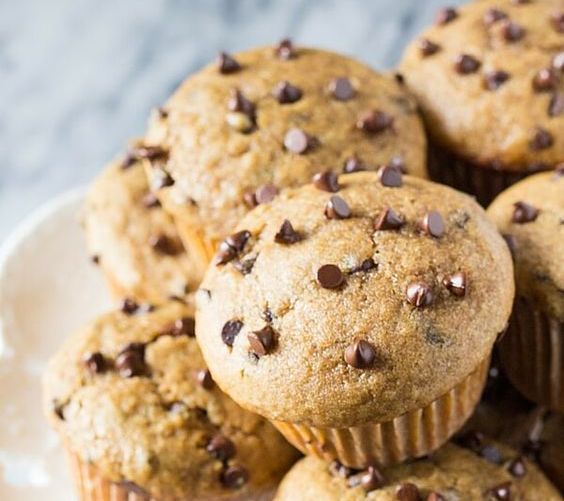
x=289 y=280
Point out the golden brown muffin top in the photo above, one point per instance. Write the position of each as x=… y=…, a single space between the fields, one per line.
x=489 y=77
x=297 y=111
x=131 y=394
x=531 y=216
x=335 y=309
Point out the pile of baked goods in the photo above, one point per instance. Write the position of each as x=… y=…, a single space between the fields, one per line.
x=290 y=281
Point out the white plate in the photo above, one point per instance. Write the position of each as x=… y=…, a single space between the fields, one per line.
x=48 y=288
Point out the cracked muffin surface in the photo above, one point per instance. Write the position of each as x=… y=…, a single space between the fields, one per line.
x=131 y=395
x=355 y=300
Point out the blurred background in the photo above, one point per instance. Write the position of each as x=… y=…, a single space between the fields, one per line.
x=79 y=77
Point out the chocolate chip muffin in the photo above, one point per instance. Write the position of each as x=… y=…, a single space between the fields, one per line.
x=452 y=473
x=350 y=313
x=131 y=237
x=142 y=419
x=250 y=124
x=531 y=216
x=489 y=79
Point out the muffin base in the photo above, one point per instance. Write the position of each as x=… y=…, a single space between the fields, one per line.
x=483 y=182
x=409 y=436
x=532 y=354
x=200 y=248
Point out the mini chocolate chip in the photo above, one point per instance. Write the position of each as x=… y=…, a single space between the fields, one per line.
x=435 y=496
x=286 y=93
x=388 y=220
x=360 y=354
x=234 y=477
x=419 y=294
x=389 y=176
x=446 y=15
x=224 y=254
x=296 y=141
x=150 y=200
x=374 y=121
x=285 y=49
x=59 y=410
x=370 y=479
x=266 y=193
x=149 y=152
x=262 y=342
x=493 y=80
x=337 y=208
x=129 y=306
x=337 y=469
x=456 y=284
x=492 y=454
x=353 y=164
x=366 y=265
x=95 y=362
x=466 y=64
x=493 y=16
x=286 y=234
x=204 y=379
x=238 y=103
x=341 y=89
x=185 y=326
x=330 y=276
x=557 y=21
x=512 y=32
x=433 y=224
x=545 y=80
x=245 y=266
x=408 y=492
x=220 y=447
x=130 y=362
x=165 y=245
x=326 y=181
x=231 y=246
x=227 y=64
x=524 y=213
x=95 y=258
x=399 y=78
x=162 y=112
x=428 y=47
x=250 y=199
x=517 y=467
x=541 y=140
x=558 y=61
x=556 y=104
x=161 y=180
x=230 y=330
x=501 y=492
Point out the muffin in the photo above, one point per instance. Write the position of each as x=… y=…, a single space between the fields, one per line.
x=131 y=237
x=142 y=420
x=489 y=80
x=354 y=320
x=531 y=215
x=452 y=473
x=250 y=124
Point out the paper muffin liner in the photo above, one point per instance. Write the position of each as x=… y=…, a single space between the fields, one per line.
x=485 y=183
x=532 y=354
x=412 y=435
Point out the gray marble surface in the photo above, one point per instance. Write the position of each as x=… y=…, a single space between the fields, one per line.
x=79 y=77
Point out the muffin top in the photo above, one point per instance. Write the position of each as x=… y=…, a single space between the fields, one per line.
x=490 y=82
x=131 y=395
x=132 y=238
x=338 y=308
x=531 y=216
x=452 y=473
x=249 y=124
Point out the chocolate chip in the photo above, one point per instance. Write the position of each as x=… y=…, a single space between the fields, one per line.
x=419 y=294
x=148 y=152
x=388 y=220
x=466 y=64
x=353 y=164
x=161 y=179
x=286 y=234
x=130 y=362
x=296 y=141
x=556 y=104
x=545 y=80
x=337 y=208
x=238 y=103
x=408 y=492
x=227 y=64
x=446 y=15
x=517 y=467
x=493 y=16
x=230 y=330
x=493 y=80
x=245 y=266
x=250 y=199
x=501 y=492
x=231 y=247
x=370 y=479
x=150 y=200
x=558 y=61
x=205 y=379
x=399 y=78
x=512 y=32
x=58 y=410
x=557 y=21
x=185 y=326
x=262 y=342
x=374 y=121
x=433 y=224
x=360 y=354
x=390 y=176
x=341 y=89
x=541 y=140
x=337 y=469
x=234 y=477
x=366 y=265
x=326 y=181
x=435 y=496
x=129 y=306
x=285 y=49
x=330 y=276
x=162 y=112
x=492 y=454
x=95 y=258
x=220 y=447
x=456 y=284
x=266 y=193
x=428 y=47
x=286 y=93
x=95 y=363
x=165 y=245
x=524 y=213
